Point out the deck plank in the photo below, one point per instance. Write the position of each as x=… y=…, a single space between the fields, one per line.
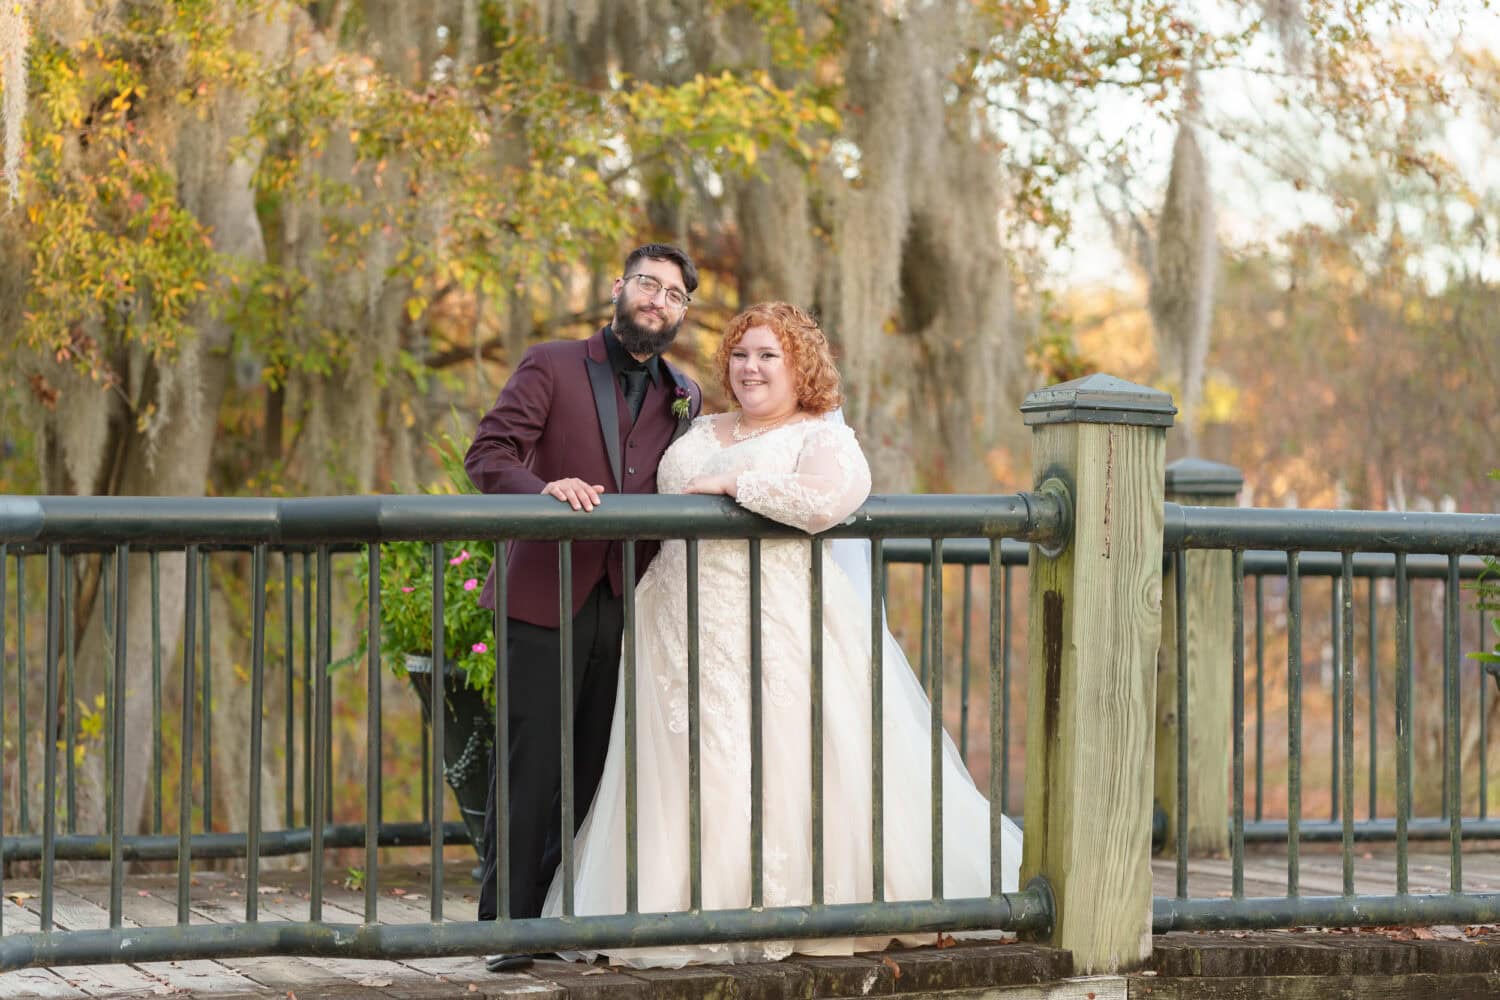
x=57 y=982
x=152 y=901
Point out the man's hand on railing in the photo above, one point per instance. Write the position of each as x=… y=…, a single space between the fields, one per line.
x=576 y=492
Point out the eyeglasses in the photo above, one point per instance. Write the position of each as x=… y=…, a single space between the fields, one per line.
x=649 y=286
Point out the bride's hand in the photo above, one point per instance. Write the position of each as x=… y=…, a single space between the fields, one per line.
x=721 y=484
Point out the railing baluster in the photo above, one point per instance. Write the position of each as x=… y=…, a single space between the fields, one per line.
x=1453 y=732
x=23 y=786
x=289 y=666
x=1346 y=668
x=70 y=707
x=997 y=733
x=1005 y=696
x=815 y=727
x=107 y=586
x=4 y=600
x=156 y=709
x=1335 y=634
x=373 y=732
x=435 y=724
x=185 y=743
x=695 y=737
x=1414 y=666
x=49 y=739
x=117 y=739
x=1179 y=579
x=257 y=735
x=877 y=716
x=1237 y=829
x=926 y=647
x=632 y=789
x=757 y=749
x=1403 y=719
x=934 y=628
x=1294 y=719
x=502 y=732
x=1446 y=725
x=565 y=714
x=208 y=696
x=1372 y=646
x=307 y=689
x=964 y=644
x=1260 y=694
x=320 y=748
x=1484 y=732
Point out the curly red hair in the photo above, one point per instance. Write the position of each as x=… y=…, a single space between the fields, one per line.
x=808 y=355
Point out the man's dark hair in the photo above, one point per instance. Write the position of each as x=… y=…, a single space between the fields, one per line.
x=665 y=251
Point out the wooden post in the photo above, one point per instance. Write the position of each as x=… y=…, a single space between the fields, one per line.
x=1208 y=587
x=1093 y=632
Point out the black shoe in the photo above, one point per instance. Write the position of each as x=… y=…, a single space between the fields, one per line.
x=508 y=963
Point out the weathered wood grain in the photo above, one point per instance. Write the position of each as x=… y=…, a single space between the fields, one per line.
x=1096 y=621
x=1208 y=590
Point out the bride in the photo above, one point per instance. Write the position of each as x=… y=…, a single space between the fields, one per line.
x=787 y=455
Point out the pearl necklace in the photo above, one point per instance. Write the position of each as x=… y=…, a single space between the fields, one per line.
x=740 y=434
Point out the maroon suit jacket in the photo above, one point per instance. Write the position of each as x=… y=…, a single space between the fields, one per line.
x=562 y=414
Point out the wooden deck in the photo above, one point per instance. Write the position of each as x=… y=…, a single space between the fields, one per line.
x=219 y=897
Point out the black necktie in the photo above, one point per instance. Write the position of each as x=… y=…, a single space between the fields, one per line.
x=635 y=390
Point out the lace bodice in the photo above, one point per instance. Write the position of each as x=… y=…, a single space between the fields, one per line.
x=810 y=474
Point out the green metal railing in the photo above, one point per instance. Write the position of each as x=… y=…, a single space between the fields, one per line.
x=1263 y=568
x=101 y=536
x=1371 y=545
x=51 y=548
x=1367 y=570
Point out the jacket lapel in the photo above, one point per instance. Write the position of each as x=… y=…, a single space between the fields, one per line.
x=603 y=382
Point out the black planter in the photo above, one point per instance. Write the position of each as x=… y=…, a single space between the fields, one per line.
x=468 y=735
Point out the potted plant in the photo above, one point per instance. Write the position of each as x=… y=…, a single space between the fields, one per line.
x=468 y=685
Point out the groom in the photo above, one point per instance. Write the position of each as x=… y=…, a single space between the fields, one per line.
x=576 y=420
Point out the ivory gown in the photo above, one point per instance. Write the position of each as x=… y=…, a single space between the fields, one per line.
x=810 y=474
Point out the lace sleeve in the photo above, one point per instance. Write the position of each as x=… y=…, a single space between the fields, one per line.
x=830 y=481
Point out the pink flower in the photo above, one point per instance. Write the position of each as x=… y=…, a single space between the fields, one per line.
x=470 y=583
x=462 y=557
x=407 y=590
x=479 y=647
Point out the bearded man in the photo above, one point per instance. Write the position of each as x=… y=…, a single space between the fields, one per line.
x=576 y=420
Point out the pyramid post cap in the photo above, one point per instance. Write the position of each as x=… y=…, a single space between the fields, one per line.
x=1099 y=399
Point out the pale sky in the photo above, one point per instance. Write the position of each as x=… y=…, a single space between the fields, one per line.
x=1251 y=204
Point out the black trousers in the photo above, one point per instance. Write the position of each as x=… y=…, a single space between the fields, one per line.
x=534 y=756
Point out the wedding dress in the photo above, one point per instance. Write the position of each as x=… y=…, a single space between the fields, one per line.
x=810 y=474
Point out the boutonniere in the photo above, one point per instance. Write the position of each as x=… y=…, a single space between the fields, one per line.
x=681 y=405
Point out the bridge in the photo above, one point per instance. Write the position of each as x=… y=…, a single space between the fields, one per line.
x=1146 y=625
